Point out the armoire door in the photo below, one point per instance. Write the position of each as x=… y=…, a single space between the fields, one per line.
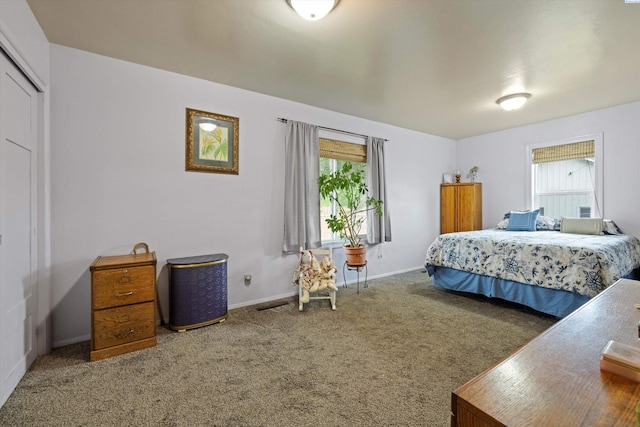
x=448 y=217
x=18 y=216
x=466 y=208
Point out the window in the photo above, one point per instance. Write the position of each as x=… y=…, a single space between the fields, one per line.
x=334 y=154
x=566 y=178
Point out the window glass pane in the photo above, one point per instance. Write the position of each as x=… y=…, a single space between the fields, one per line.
x=565 y=188
x=328 y=207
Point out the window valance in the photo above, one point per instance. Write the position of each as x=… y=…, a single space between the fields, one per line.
x=557 y=153
x=340 y=150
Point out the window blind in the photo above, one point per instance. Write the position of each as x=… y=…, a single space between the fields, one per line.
x=340 y=150
x=557 y=153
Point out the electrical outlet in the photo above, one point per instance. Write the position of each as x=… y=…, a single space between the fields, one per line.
x=247 y=279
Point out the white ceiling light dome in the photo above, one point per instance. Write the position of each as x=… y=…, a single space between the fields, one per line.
x=207 y=126
x=513 y=101
x=313 y=10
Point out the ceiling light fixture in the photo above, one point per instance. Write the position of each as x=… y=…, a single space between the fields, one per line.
x=207 y=126
x=513 y=101
x=313 y=10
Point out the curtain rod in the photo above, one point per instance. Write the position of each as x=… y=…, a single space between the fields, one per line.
x=332 y=129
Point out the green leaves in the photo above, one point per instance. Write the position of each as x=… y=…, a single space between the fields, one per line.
x=214 y=145
x=347 y=187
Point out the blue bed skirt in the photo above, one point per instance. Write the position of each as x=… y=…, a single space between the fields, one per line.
x=551 y=301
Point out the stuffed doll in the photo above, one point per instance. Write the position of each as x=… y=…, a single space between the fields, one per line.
x=303 y=270
x=315 y=273
x=328 y=274
x=307 y=274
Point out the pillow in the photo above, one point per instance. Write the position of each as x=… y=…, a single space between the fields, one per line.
x=545 y=223
x=502 y=225
x=610 y=227
x=582 y=225
x=523 y=221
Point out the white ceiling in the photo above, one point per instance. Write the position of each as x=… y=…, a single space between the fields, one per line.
x=435 y=66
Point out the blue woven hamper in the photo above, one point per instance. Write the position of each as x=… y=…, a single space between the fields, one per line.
x=197 y=291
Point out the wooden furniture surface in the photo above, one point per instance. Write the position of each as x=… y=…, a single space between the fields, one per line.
x=460 y=207
x=123 y=293
x=556 y=380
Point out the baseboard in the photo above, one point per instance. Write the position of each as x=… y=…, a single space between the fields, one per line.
x=379 y=276
x=70 y=341
x=294 y=292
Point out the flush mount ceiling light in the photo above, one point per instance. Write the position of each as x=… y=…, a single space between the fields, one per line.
x=207 y=126
x=513 y=101
x=313 y=10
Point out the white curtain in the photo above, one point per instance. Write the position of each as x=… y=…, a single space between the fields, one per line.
x=302 y=194
x=379 y=229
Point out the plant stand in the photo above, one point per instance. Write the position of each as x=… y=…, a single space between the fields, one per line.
x=358 y=269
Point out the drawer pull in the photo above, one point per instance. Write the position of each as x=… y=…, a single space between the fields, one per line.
x=121 y=335
x=123 y=318
x=128 y=294
x=124 y=279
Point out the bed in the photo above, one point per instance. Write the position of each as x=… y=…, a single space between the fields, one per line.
x=550 y=271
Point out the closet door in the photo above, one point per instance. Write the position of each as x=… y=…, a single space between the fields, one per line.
x=18 y=215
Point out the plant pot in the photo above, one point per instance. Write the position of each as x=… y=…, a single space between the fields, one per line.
x=356 y=256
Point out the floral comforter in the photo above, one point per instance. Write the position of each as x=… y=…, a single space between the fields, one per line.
x=583 y=264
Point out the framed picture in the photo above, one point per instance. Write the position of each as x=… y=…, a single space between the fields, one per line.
x=212 y=142
x=447 y=178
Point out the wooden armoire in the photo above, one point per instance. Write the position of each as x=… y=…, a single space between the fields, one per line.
x=460 y=207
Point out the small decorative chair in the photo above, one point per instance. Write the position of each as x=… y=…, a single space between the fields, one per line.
x=314 y=277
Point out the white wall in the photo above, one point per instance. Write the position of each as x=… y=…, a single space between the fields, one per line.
x=118 y=138
x=501 y=159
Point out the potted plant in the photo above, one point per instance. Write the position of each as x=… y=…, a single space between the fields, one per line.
x=348 y=188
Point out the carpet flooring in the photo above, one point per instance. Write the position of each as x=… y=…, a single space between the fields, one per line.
x=388 y=356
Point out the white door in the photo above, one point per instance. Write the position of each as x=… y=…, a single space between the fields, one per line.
x=18 y=214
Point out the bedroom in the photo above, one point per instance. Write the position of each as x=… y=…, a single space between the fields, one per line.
x=116 y=174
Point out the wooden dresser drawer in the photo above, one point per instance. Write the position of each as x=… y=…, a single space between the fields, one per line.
x=122 y=325
x=123 y=303
x=122 y=286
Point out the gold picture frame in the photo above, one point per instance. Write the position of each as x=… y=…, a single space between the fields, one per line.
x=212 y=142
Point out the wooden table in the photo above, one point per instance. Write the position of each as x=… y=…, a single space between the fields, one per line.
x=555 y=380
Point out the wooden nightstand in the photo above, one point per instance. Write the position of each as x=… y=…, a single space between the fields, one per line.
x=123 y=300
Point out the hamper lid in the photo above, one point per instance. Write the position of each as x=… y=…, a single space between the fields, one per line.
x=200 y=259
